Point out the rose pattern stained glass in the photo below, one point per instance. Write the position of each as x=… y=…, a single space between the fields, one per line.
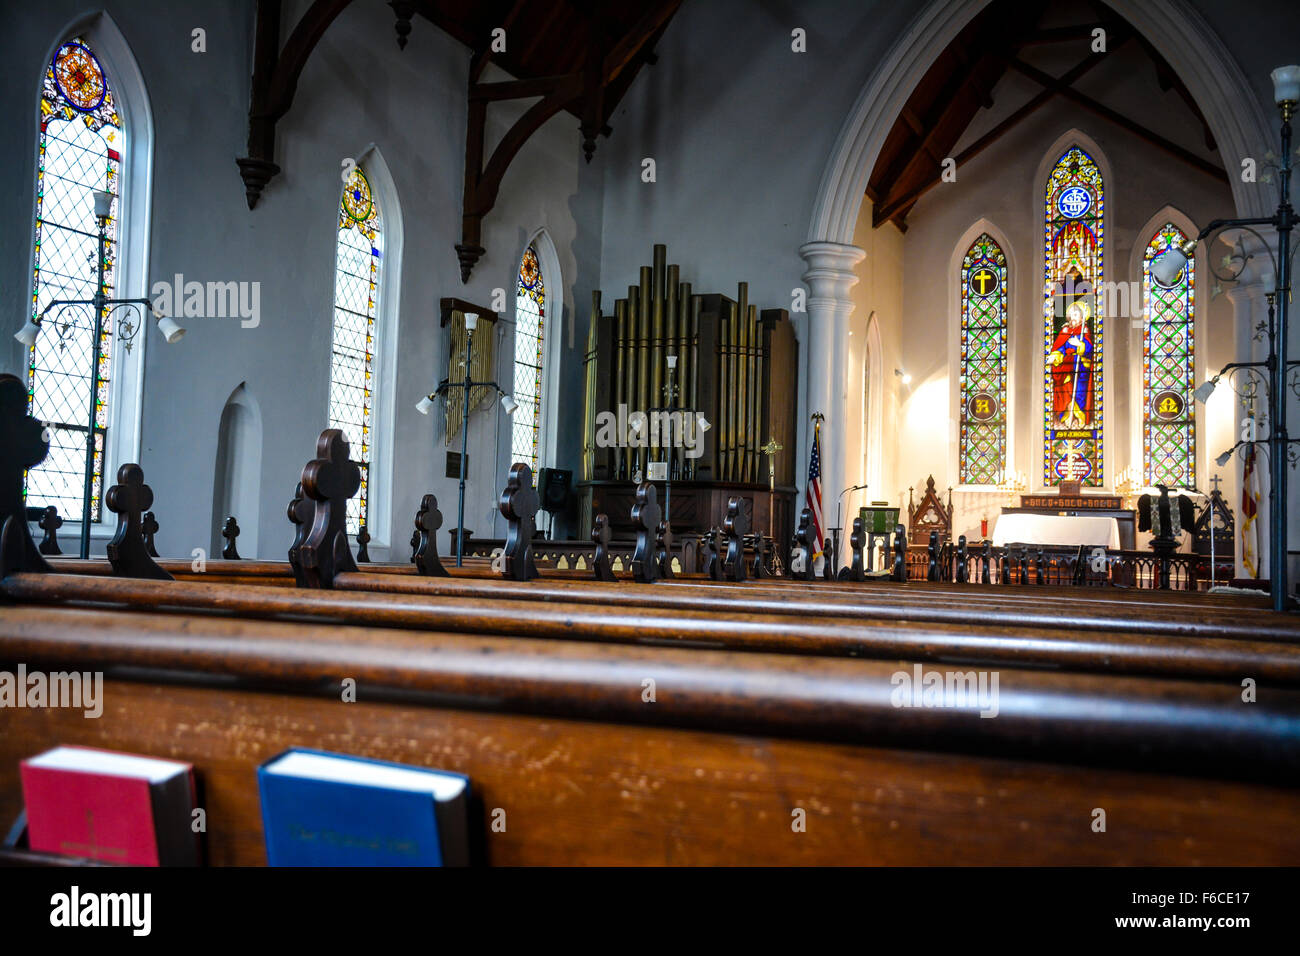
x=1168 y=369
x=530 y=334
x=80 y=148
x=1073 y=321
x=983 y=386
x=357 y=275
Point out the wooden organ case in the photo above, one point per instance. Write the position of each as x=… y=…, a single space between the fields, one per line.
x=736 y=368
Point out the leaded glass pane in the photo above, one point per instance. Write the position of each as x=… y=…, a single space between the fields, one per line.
x=530 y=314
x=983 y=390
x=80 y=150
x=1168 y=369
x=357 y=276
x=1073 y=321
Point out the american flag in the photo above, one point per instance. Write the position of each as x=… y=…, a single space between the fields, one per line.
x=813 y=496
x=1250 y=510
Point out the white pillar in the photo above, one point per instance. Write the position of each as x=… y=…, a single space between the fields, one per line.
x=830 y=277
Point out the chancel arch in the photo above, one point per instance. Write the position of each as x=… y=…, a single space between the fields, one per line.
x=93 y=132
x=1178 y=32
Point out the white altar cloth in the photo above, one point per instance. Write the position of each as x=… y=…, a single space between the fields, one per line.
x=1094 y=531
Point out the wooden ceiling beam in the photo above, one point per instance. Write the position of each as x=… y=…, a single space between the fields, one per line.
x=483 y=52
x=626 y=49
x=897 y=208
x=924 y=152
x=482 y=183
x=1167 y=77
x=1081 y=31
x=1119 y=119
x=275 y=81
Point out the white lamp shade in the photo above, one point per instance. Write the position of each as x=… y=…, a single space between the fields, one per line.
x=172 y=330
x=471 y=321
x=1205 y=390
x=1168 y=266
x=702 y=422
x=636 y=422
x=1286 y=84
x=509 y=404
x=424 y=405
x=672 y=361
x=27 y=334
x=103 y=203
x=1223 y=459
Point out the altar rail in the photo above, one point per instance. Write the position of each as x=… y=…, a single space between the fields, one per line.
x=1056 y=566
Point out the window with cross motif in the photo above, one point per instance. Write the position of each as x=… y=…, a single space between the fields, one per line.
x=983 y=369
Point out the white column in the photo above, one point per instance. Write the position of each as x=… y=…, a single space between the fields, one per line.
x=830 y=277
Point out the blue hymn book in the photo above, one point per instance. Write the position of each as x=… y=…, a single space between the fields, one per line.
x=324 y=809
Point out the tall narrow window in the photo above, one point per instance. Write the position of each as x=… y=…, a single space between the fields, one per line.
x=357 y=274
x=983 y=363
x=81 y=145
x=1168 y=367
x=530 y=334
x=1073 y=322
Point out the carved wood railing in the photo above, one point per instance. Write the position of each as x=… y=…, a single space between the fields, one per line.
x=1022 y=565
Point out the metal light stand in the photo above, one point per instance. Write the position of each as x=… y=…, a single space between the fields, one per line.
x=670 y=397
x=468 y=385
x=1283 y=220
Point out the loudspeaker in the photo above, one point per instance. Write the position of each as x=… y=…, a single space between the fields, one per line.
x=553 y=487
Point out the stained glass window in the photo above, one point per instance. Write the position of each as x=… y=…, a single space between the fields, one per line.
x=530 y=329
x=983 y=363
x=80 y=147
x=1073 y=321
x=357 y=273
x=1168 y=367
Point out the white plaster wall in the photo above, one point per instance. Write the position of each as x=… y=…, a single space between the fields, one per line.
x=355 y=90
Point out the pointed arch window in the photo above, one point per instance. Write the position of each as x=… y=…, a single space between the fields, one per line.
x=983 y=451
x=357 y=276
x=1073 y=321
x=530 y=338
x=81 y=145
x=1168 y=368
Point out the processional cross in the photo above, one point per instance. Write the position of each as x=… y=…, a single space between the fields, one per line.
x=770 y=450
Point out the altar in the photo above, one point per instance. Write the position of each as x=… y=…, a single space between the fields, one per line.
x=1091 y=531
x=1070 y=502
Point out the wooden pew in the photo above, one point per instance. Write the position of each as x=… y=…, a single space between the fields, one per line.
x=847 y=636
x=558 y=736
x=797 y=599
